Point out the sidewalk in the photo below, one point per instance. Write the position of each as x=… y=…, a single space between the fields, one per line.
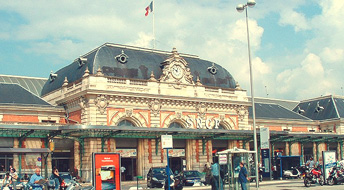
x=127 y=184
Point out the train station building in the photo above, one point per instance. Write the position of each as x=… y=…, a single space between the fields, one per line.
x=119 y=98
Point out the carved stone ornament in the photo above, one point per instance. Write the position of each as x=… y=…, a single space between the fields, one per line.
x=155 y=107
x=102 y=102
x=129 y=112
x=178 y=115
x=83 y=104
x=242 y=112
x=175 y=70
x=201 y=109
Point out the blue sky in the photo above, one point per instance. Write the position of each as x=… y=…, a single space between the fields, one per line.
x=297 y=46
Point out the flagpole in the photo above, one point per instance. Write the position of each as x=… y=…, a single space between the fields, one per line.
x=153 y=26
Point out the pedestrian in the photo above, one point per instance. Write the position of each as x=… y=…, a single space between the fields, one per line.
x=310 y=163
x=123 y=172
x=56 y=177
x=207 y=172
x=216 y=179
x=14 y=177
x=243 y=177
x=7 y=182
x=35 y=180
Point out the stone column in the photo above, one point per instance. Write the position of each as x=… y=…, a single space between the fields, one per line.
x=140 y=157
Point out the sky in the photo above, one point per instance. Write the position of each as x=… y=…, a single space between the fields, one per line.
x=297 y=47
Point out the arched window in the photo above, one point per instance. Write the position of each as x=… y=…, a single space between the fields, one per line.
x=126 y=123
x=175 y=125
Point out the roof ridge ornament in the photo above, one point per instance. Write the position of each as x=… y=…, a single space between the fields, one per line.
x=87 y=72
x=152 y=77
x=198 y=82
x=99 y=72
x=65 y=82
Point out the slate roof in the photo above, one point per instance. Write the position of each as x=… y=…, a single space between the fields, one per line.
x=275 y=112
x=289 y=104
x=14 y=94
x=34 y=85
x=322 y=108
x=140 y=63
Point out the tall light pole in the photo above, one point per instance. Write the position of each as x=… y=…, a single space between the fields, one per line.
x=240 y=8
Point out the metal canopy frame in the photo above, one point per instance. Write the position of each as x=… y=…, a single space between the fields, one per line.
x=101 y=131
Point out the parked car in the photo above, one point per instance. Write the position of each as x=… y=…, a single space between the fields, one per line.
x=156 y=177
x=68 y=179
x=192 y=177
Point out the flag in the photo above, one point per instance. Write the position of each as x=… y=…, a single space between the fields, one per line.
x=149 y=9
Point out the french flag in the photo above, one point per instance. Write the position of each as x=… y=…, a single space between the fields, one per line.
x=149 y=9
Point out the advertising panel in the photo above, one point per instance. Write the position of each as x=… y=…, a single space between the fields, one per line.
x=264 y=138
x=106 y=171
x=329 y=160
x=126 y=153
x=176 y=152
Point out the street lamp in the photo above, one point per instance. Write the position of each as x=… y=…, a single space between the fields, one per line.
x=240 y=8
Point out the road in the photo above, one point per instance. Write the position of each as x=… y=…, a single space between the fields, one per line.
x=265 y=185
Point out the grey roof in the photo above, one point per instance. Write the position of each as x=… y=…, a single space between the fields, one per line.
x=34 y=85
x=322 y=108
x=340 y=106
x=275 y=112
x=140 y=63
x=289 y=104
x=14 y=94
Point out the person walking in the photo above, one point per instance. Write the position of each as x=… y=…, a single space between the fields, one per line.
x=243 y=177
x=35 y=180
x=14 y=177
x=216 y=179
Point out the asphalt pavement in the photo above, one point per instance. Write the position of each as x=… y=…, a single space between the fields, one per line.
x=293 y=184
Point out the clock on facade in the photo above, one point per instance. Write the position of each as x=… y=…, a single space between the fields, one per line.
x=177 y=71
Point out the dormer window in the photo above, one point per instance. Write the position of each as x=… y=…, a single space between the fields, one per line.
x=82 y=61
x=122 y=58
x=52 y=76
x=318 y=108
x=212 y=69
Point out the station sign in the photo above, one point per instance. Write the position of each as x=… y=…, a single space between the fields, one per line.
x=166 y=141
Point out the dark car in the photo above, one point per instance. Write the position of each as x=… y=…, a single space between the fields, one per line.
x=192 y=177
x=156 y=177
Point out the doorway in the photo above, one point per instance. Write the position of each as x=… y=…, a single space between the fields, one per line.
x=176 y=164
x=128 y=169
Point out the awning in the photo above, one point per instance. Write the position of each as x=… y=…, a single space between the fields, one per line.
x=24 y=150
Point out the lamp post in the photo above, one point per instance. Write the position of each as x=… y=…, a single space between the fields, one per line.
x=240 y=8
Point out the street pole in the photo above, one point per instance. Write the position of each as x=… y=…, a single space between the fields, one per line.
x=240 y=8
x=253 y=105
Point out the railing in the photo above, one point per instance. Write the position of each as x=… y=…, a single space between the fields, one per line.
x=116 y=81
x=140 y=83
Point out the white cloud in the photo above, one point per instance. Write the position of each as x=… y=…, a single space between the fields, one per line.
x=332 y=55
x=297 y=20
